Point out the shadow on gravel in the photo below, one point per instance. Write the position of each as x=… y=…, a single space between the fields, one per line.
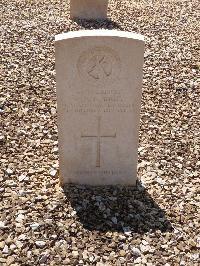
x=98 y=24
x=120 y=209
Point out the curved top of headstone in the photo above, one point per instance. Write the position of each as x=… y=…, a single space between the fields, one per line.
x=99 y=33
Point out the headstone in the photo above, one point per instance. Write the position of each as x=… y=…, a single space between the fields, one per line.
x=88 y=9
x=99 y=82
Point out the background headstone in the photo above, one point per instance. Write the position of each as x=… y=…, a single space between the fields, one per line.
x=88 y=9
x=99 y=82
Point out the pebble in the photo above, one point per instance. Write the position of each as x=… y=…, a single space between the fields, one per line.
x=19 y=244
x=55 y=150
x=114 y=220
x=43 y=258
x=2 y=244
x=5 y=249
x=85 y=255
x=53 y=172
x=40 y=243
x=136 y=252
x=144 y=248
x=34 y=226
x=122 y=253
x=2 y=138
x=75 y=254
x=144 y=242
x=138 y=260
x=22 y=178
x=12 y=246
x=10 y=261
x=192 y=243
x=195 y=256
x=9 y=171
x=20 y=217
x=22 y=237
x=2 y=225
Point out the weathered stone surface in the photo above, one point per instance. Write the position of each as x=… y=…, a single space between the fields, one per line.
x=88 y=9
x=99 y=77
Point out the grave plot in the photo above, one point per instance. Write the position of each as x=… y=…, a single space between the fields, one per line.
x=153 y=223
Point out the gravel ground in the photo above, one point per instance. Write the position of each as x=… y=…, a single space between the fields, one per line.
x=156 y=223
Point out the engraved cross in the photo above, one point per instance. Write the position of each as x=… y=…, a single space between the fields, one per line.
x=98 y=137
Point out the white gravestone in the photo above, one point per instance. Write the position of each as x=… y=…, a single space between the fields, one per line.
x=99 y=83
x=88 y=9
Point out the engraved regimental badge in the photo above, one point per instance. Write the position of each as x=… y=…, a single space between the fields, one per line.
x=99 y=65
